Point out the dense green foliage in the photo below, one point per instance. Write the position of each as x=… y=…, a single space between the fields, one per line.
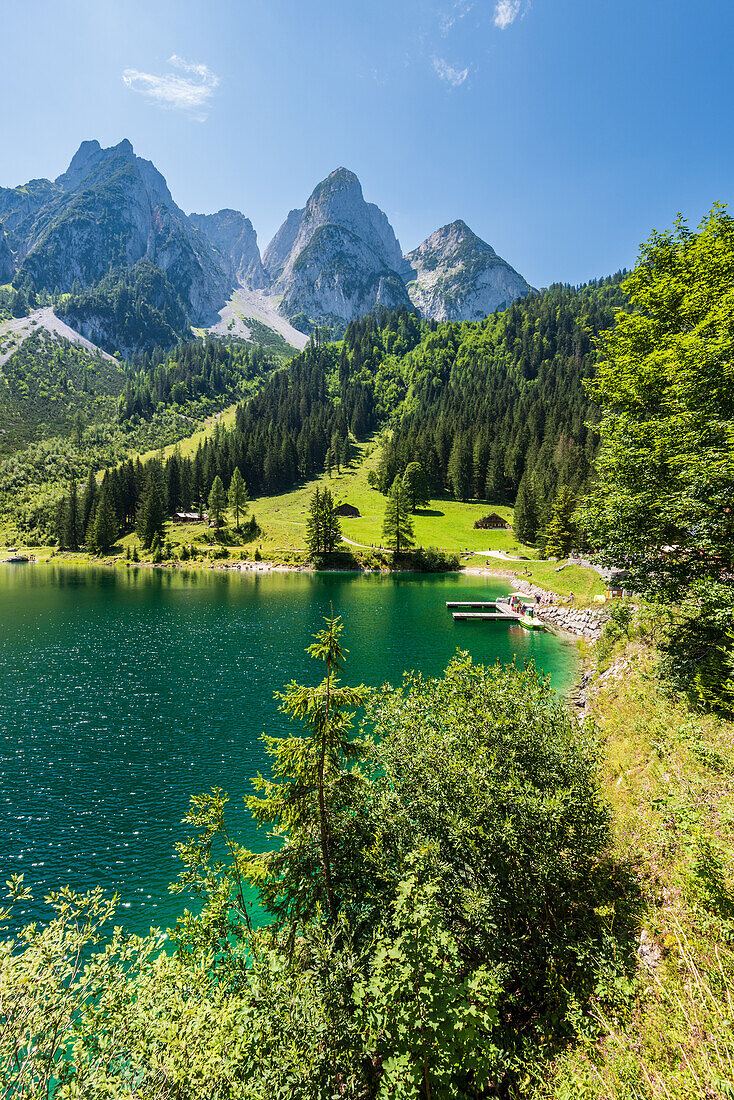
x=435 y=902
x=662 y=502
x=130 y=308
x=478 y=407
x=46 y=382
x=486 y=403
x=200 y=369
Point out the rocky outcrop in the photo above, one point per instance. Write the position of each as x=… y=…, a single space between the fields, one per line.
x=456 y=276
x=110 y=209
x=231 y=234
x=7 y=265
x=281 y=246
x=331 y=261
x=343 y=258
x=585 y=622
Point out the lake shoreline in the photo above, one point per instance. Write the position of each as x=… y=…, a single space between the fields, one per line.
x=265 y=566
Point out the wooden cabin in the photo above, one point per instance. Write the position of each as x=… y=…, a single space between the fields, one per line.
x=492 y=522
x=189 y=517
x=347 y=510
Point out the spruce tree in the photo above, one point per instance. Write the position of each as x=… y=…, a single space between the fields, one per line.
x=88 y=500
x=150 y=511
x=461 y=468
x=331 y=531
x=416 y=485
x=314 y=528
x=561 y=532
x=217 y=501
x=237 y=496
x=525 y=519
x=397 y=526
x=69 y=534
x=105 y=529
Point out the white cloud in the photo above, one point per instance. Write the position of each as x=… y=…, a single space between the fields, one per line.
x=506 y=12
x=190 y=92
x=459 y=10
x=452 y=76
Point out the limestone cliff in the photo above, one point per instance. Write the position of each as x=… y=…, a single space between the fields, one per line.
x=456 y=276
x=337 y=258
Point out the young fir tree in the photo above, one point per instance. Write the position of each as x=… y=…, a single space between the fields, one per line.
x=561 y=532
x=525 y=518
x=237 y=496
x=397 y=526
x=416 y=485
x=217 y=501
x=150 y=511
x=309 y=772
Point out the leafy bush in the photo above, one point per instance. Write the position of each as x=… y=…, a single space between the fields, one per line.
x=433 y=560
x=434 y=912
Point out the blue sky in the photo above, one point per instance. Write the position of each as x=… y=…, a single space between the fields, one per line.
x=562 y=131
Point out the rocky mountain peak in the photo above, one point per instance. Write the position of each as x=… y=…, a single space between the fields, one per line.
x=338 y=256
x=456 y=276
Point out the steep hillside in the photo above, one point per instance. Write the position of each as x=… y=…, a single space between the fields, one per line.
x=47 y=383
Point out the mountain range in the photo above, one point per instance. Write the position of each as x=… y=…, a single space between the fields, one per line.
x=108 y=233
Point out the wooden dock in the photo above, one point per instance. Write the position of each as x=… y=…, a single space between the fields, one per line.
x=471 y=603
x=493 y=616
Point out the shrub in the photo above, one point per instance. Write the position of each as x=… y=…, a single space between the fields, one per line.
x=433 y=560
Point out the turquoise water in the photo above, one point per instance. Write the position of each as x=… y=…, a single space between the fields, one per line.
x=123 y=693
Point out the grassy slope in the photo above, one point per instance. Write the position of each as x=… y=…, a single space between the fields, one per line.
x=445 y=523
x=669 y=777
x=189 y=445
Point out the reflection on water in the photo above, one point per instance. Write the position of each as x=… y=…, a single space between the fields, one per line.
x=124 y=692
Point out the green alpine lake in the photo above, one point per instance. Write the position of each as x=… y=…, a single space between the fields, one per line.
x=124 y=692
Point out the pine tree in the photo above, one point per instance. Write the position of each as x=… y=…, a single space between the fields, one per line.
x=217 y=501
x=525 y=519
x=237 y=496
x=331 y=531
x=397 y=526
x=88 y=500
x=561 y=532
x=150 y=511
x=70 y=527
x=461 y=468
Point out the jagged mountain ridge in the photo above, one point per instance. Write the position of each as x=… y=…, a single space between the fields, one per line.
x=332 y=260
x=109 y=210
